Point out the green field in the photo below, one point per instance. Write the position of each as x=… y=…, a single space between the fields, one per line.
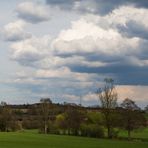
x=32 y=139
x=140 y=133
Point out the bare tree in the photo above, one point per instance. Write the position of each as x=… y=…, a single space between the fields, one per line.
x=108 y=99
x=44 y=113
x=7 y=118
x=74 y=117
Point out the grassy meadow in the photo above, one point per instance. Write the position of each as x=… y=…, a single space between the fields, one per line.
x=31 y=139
x=140 y=133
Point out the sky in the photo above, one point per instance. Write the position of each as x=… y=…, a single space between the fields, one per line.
x=65 y=49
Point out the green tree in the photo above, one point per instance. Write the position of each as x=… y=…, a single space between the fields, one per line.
x=93 y=125
x=61 y=123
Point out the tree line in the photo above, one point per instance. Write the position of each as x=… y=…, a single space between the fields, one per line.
x=68 y=119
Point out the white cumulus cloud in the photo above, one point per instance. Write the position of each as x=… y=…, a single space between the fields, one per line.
x=14 y=31
x=33 y=12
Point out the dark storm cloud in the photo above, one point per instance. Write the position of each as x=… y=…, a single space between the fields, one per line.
x=62 y=3
x=134 y=29
x=16 y=37
x=124 y=71
x=144 y=50
x=100 y=6
x=32 y=18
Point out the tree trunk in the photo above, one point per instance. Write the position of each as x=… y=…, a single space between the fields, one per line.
x=45 y=128
x=69 y=131
x=108 y=132
x=76 y=132
x=129 y=134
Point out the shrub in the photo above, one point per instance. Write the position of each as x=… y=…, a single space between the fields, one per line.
x=114 y=133
x=92 y=130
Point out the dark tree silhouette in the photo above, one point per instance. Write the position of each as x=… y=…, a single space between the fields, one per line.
x=74 y=118
x=132 y=116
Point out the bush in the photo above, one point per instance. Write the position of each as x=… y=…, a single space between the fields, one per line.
x=114 y=133
x=30 y=124
x=52 y=128
x=92 y=130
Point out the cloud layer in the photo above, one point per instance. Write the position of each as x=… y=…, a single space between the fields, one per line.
x=96 y=6
x=89 y=46
x=107 y=40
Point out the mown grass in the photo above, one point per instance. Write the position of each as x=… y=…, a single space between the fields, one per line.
x=31 y=139
x=140 y=133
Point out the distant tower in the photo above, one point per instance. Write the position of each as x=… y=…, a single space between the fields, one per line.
x=80 y=101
